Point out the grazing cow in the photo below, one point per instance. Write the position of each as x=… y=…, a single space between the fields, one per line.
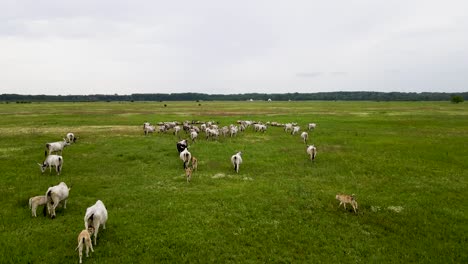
x=295 y=130
x=312 y=151
x=260 y=127
x=55 y=195
x=304 y=136
x=236 y=161
x=195 y=128
x=344 y=199
x=210 y=132
x=224 y=131
x=52 y=161
x=161 y=129
x=242 y=128
x=84 y=239
x=233 y=131
x=56 y=147
x=288 y=127
x=246 y=123
x=181 y=145
x=35 y=201
x=193 y=135
x=95 y=216
x=170 y=125
x=149 y=129
x=185 y=156
x=311 y=126
x=176 y=130
x=71 y=138
x=186 y=126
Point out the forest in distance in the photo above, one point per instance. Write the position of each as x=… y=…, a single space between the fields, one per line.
x=322 y=96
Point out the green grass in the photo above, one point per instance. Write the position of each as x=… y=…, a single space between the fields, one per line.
x=405 y=161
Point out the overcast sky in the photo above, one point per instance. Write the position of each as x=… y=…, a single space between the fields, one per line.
x=225 y=47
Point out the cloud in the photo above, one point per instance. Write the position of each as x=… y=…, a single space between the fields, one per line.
x=339 y=73
x=309 y=74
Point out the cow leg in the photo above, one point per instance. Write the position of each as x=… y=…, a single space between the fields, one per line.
x=96 y=225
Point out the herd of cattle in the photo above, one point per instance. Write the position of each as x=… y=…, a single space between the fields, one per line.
x=96 y=215
x=212 y=131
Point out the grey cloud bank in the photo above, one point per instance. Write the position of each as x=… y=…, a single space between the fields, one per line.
x=124 y=47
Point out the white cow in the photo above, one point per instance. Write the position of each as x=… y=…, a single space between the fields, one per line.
x=176 y=130
x=55 y=195
x=288 y=127
x=52 y=161
x=224 y=131
x=71 y=138
x=262 y=128
x=193 y=135
x=236 y=161
x=147 y=128
x=36 y=201
x=312 y=151
x=295 y=130
x=56 y=147
x=185 y=156
x=233 y=131
x=311 y=126
x=95 y=216
x=305 y=136
x=212 y=133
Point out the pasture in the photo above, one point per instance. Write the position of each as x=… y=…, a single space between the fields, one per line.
x=405 y=161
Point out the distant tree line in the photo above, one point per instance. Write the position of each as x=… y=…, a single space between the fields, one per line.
x=323 y=96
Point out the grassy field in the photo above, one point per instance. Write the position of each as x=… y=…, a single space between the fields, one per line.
x=407 y=163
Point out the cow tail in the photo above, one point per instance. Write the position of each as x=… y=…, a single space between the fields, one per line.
x=47 y=203
x=59 y=167
x=81 y=243
x=91 y=217
x=49 y=198
x=47 y=148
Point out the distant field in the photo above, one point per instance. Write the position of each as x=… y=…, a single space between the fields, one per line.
x=407 y=163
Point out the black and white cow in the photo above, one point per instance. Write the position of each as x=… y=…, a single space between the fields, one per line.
x=181 y=145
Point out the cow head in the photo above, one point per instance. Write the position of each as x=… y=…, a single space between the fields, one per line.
x=43 y=166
